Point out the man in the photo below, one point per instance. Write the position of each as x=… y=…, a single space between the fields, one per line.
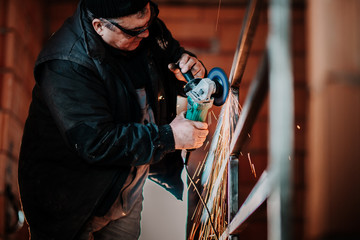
x=103 y=119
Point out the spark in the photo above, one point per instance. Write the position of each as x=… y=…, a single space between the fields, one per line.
x=209 y=119
x=214 y=177
x=253 y=169
x=197 y=168
x=207 y=143
x=252 y=166
x=214 y=115
x=218 y=16
x=202 y=166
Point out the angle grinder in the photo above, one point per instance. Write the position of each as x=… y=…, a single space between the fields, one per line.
x=202 y=93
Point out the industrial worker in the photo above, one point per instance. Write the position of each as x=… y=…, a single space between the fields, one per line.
x=102 y=120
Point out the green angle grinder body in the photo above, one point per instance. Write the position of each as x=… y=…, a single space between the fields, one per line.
x=216 y=82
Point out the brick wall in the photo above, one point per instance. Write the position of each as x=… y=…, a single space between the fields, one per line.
x=21 y=36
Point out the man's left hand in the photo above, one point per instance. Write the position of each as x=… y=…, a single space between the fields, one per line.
x=186 y=63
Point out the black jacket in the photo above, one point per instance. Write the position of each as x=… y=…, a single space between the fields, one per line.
x=83 y=133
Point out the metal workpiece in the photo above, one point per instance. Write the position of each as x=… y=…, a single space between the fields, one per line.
x=247 y=33
x=254 y=101
x=233 y=190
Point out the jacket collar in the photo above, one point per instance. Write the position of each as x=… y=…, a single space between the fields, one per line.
x=94 y=45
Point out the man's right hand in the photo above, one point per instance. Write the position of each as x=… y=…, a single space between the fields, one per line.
x=188 y=134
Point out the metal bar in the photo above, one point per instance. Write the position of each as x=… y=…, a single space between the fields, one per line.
x=247 y=33
x=233 y=191
x=253 y=103
x=257 y=196
x=281 y=135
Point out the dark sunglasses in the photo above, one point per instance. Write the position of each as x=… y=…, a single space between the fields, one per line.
x=134 y=33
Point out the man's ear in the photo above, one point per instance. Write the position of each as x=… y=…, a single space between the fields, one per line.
x=98 y=26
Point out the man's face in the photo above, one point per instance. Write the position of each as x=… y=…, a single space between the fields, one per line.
x=118 y=38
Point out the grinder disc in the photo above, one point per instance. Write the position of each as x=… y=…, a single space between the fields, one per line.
x=222 y=85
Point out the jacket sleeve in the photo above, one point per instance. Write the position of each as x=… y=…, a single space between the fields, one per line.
x=78 y=102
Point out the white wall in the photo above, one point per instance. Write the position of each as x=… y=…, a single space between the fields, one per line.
x=163 y=216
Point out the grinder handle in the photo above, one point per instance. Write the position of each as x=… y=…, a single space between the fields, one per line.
x=188 y=76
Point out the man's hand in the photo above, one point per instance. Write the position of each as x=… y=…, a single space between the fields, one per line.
x=188 y=134
x=186 y=63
